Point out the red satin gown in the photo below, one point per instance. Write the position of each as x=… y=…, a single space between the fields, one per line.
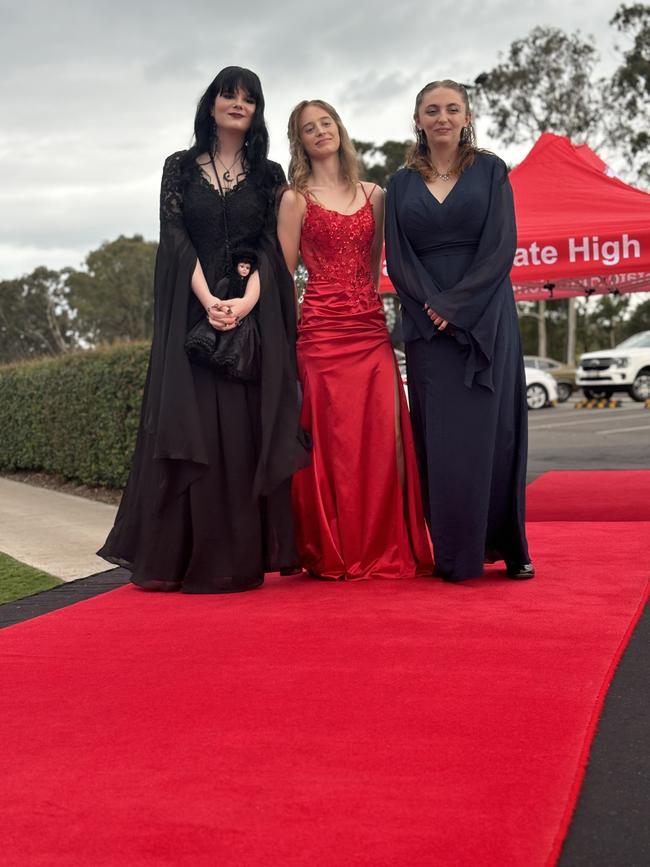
x=353 y=519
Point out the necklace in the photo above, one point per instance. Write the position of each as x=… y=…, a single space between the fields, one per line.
x=227 y=177
x=444 y=176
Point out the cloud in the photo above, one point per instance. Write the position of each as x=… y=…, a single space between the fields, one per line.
x=96 y=94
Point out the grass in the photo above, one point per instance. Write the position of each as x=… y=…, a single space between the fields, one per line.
x=18 y=580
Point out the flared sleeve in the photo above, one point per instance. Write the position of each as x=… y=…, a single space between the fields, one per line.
x=171 y=412
x=474 y=306
x=172 y=432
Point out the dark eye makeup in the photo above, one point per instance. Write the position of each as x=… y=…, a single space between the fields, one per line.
x=229 y=94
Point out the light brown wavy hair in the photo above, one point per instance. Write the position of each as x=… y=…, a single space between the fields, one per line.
x=419 y=156
x=300 y=164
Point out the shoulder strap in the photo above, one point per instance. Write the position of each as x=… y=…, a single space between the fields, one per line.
x=368 y=195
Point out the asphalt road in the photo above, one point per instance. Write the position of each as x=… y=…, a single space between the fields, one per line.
x=566 y=438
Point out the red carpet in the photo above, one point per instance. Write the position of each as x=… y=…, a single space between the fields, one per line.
x=608 y=495
x=309 y=723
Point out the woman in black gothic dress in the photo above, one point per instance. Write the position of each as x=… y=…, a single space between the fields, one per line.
x=207 y=505
x=450 y=243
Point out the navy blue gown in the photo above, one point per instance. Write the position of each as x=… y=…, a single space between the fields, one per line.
x=466 y=384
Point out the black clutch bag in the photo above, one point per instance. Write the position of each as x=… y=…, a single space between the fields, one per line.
x=235 y=354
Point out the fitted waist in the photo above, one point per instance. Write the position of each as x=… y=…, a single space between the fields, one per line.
x=330 y=293
x=450 y=248
x=334 y=283
x=342 y=309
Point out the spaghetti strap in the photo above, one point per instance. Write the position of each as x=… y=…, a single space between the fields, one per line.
x=309 y=197
x=368 y=195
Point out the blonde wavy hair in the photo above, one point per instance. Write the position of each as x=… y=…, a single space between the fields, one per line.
x=300 y=164
x=419 y=156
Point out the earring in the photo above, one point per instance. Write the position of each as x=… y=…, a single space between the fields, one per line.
x=421 y=138
x=464 y=135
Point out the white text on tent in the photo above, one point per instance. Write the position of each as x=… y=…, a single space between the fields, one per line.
x=585 y=249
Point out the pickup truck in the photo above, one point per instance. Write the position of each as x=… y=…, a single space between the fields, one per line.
x=624 y=368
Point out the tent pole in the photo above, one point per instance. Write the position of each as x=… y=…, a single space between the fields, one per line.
x=571 y=331
x=541 y=329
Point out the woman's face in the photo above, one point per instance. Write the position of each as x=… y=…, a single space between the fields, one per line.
x=234 y=110
x=243 y=269
x=442 y=115
x=319 y=133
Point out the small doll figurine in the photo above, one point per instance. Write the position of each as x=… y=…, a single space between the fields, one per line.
x=242 y=283
x=237 y=353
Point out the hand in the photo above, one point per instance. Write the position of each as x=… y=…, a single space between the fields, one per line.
x=437 y=320
x=240 y=308
x=220 y=317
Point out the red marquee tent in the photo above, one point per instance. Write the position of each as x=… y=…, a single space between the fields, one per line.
x=579 y=230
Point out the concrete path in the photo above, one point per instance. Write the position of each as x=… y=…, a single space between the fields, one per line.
x=58 y=533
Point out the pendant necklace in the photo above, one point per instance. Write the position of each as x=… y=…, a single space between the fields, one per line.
x=227 y=177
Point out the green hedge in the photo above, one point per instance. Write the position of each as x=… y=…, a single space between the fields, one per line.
x=74 y=415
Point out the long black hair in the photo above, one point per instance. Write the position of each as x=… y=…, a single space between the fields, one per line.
x=256 y=142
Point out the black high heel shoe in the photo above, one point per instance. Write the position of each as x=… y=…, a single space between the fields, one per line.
x=521 y=572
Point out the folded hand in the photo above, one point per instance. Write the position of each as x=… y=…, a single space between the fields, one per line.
x=220 y=316
x=437 y=320
x=240 y=308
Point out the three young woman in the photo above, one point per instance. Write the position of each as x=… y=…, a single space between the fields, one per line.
x=207 y=506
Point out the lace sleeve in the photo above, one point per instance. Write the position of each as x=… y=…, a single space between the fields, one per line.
x=171 y=192
x=277 y=182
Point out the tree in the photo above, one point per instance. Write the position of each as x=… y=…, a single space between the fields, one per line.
x=631 y=88
x=379 y=162
x=113 y=297
x=638 y=321
x=35 y=317
x=545 y=84
x=556 y=314
x=607 y=317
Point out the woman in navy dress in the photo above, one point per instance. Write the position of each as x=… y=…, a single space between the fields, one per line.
x=450 y=243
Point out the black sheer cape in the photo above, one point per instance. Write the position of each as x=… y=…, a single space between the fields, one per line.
x=171 y=432
x=473 y=306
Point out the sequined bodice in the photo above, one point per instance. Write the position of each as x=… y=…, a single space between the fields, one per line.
x=336 y=251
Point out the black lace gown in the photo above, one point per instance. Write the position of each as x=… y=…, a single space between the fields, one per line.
x=466 y=384
x=207 y=504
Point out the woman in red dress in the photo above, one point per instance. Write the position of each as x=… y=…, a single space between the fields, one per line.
x=357 y=506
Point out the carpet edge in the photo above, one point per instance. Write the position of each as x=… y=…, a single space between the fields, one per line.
x=583 y=757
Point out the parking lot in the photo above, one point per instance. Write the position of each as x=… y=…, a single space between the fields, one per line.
x=566 y=438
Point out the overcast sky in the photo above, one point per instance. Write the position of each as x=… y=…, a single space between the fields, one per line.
x=96 y=94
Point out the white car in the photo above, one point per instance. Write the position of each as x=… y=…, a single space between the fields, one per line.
x=541 y=388
x=624 y=368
